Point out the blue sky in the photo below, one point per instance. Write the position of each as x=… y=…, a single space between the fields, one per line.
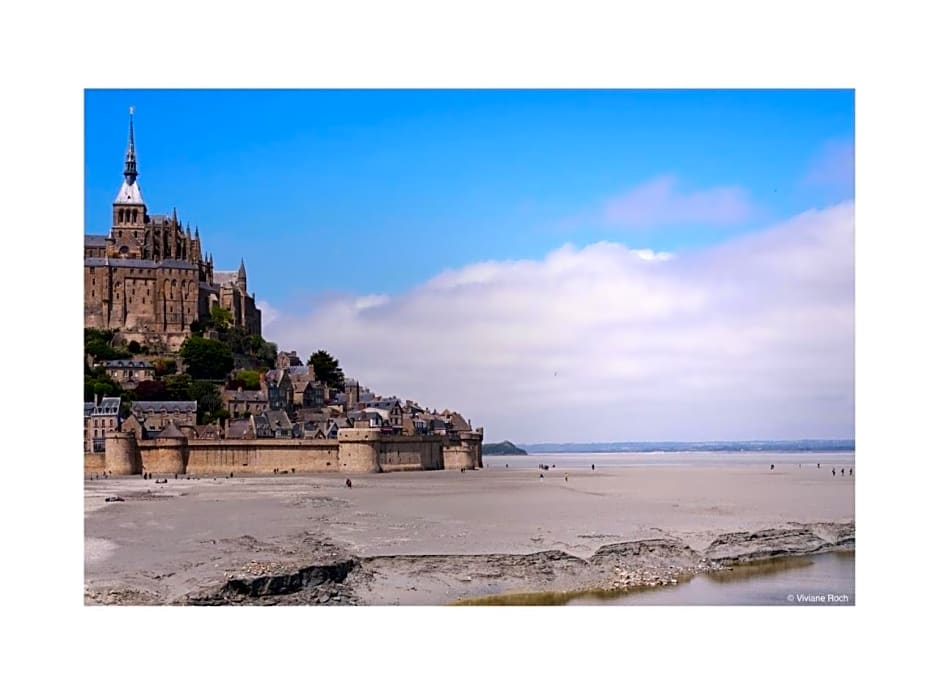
x=418 y=181
x=629 y=253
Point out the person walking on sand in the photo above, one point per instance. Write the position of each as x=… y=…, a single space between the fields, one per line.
x=850 y=472
x=843 y=471
x=592 y=467
x=817 y=465
x=771 y=467
x=833 y=471
x=566 y=478
x=348 y=483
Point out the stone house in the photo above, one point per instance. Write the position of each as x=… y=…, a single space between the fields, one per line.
x=367 y=418
x=244 y=402
x=314 y=395
x=101 y=418
x=159 y=414
x=128 y=372
x=278 y=390
x=288 y=360
x=391 y=408
x=279 y=424
x=240 y=429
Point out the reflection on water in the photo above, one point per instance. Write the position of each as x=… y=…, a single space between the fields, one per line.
x=821 y=580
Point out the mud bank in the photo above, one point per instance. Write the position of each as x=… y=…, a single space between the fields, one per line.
x=345 y=579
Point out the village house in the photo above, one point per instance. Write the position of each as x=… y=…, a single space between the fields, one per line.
x=239 y=429
x=159 y=414
x=390 y=408
x=101 y=418
x=288 y=360
x=279 y=425
x=278 y=390
x=244 y=402
x=128 y=373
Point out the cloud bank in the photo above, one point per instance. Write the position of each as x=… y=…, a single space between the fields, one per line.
x=658 y=202
x=750 y=339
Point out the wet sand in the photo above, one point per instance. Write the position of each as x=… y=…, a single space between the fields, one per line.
x=168 y=542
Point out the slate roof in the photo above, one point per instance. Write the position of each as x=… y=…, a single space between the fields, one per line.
x=96 y=240
x=110 y=405
x=245 y=395
x=127 y=363
x=237 y=427
x=385 y=404
x=224 y=277
x=139 y=263
x=278 y=419
x=169 y=406
x=171 y=431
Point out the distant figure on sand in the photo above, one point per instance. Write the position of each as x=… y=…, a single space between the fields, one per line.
x=843 y=471
x=771 y=467
x=348 y=483
x=541 y=476
x=566 y=478
x=833 y=471
x=850 y=472
x=592 y=467
x=817 y=465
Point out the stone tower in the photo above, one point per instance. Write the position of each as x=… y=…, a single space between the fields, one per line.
x=129 y=212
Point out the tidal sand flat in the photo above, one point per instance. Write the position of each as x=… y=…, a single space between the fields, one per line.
x=439 y=537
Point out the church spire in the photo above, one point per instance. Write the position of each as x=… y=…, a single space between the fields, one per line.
x=241 y=279
x=130 y=160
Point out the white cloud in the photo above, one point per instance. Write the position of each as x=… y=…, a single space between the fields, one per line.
x=658 y=202
x=750 y=339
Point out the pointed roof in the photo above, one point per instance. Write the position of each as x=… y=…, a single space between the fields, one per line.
x=241 y=269
x=171 y=431
x=130 y=191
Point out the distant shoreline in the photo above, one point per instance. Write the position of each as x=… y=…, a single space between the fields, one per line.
x=772 y=446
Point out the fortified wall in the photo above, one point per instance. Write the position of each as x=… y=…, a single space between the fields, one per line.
x=356 y=451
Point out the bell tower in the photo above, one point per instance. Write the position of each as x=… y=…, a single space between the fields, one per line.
x=129 y=213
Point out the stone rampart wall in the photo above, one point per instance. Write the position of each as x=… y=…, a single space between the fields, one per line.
x=356 y=451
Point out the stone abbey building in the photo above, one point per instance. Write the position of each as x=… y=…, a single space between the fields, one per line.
x=148 y=277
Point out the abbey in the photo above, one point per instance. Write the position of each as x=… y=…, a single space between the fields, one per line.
x=148 y=278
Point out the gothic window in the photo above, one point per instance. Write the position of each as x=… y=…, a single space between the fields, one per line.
x=135 y=216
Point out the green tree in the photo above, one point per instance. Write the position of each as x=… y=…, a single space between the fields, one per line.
x=327 y=369
x=97 y=382
x=151 y=390
x=221 y=318
x=208 y=400
x=99 y=345
x=163 y=367
x=251 y=379
x=206 y=358
x=177 y=387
